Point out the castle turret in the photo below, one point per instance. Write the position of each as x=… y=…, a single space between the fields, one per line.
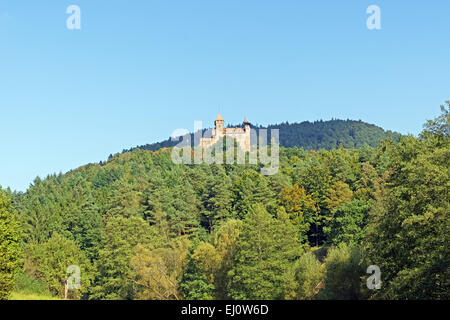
x=246 y=124
x=219 y=123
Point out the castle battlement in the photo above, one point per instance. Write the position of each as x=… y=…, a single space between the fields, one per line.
x=240 y=134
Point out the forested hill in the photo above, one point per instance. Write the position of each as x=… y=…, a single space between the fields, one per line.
x=143 y=227
x=329 y=134
x=316 y=135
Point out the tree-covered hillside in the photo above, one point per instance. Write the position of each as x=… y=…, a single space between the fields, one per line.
x=141 y=227
x=316 y=135
x=330 y=134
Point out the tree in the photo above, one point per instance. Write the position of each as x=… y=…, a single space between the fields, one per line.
x=408 y=232
x=198 y=278
x=159 y=270
x=339 y=193
x=50 y=261
x=301 y=208
x=10 y=245
x=181 y=207
x=304 y=278
x=225 y=243
x=120 y=237
x=125 y=201
x=86 y=227
x=298 y=205
x=344 y=270
x=265 y=249
x=251 y=188
x=439 y=127
x=315 y=177
x=217 y=199
x=368 y=184
x=42 y=214
x=348 y=223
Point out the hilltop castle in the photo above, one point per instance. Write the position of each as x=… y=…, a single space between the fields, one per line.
x=240 y=134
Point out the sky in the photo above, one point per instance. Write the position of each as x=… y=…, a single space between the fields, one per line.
x=138 y=70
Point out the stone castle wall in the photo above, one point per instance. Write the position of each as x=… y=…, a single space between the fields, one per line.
x=241 y=135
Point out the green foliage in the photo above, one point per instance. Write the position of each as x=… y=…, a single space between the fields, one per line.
x=217 y=198
x=10 y=248
x=344 y=270
x=408 y=234
x=125 y=201
x=86 y=226
x=49 y=262
x=304 y=278
x=198 y=278
x=225 y=243
x=121 y=236
x=264 y=250
x=298 y=205
x=158 y=270
x=348 y=223
x=152 y=229
x=251 y=188
x=338 y=194
x=182 y=210
x=438 y=128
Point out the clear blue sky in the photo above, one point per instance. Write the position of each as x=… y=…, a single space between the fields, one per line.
x=137 y=70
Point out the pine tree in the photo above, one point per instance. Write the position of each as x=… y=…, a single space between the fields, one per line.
x=217 y=199
x=249 y=189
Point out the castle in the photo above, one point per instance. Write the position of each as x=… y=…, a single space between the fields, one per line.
x=240 y=134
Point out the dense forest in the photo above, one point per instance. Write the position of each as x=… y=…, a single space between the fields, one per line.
x=313 y=135
x=141 y=227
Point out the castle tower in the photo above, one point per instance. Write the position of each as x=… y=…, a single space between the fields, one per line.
x=219 y=123
x=246 y=125
x=246 y=135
